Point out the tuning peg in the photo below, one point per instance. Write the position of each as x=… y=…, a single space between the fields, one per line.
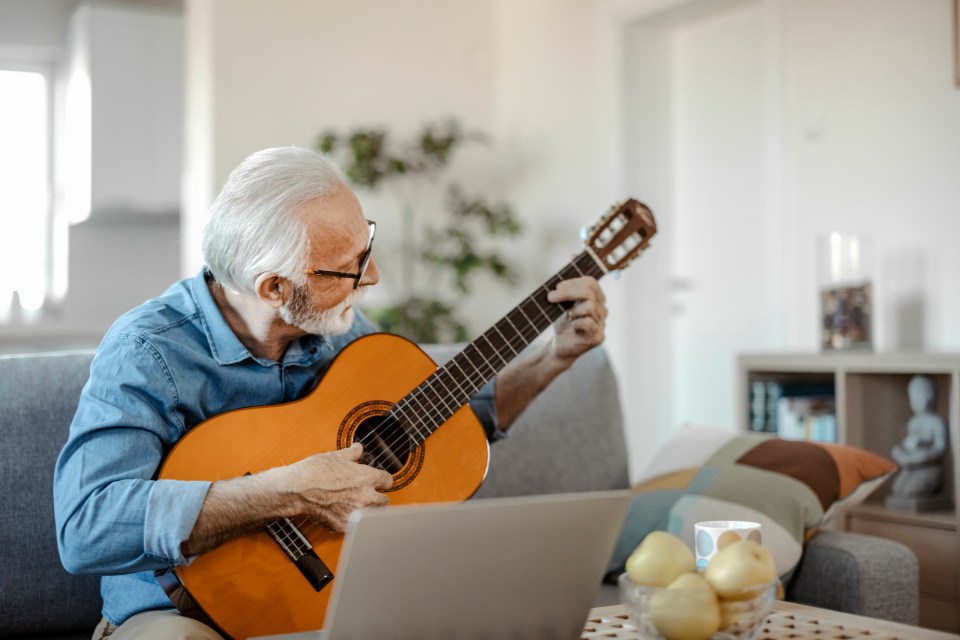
x=584 y=233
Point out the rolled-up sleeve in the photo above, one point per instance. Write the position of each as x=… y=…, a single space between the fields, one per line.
x=112 y=516
x=172 y=510
x=485 y=408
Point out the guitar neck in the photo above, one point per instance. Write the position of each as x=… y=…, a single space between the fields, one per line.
x=432 y=403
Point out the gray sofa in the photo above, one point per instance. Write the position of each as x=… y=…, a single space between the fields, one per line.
x=570 y=439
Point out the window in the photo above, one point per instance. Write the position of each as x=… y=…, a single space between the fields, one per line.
x=25 y=211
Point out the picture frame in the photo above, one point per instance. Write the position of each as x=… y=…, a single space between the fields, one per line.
x=846 y=317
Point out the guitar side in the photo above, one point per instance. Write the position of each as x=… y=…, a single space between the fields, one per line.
x=249 y=586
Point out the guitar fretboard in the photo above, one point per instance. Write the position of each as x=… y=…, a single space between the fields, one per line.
x=432 y=403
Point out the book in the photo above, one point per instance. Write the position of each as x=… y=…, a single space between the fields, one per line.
x=807 y=418
x=795 y=410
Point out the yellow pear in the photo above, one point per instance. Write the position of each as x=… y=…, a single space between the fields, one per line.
x=739 y=614
x=739 y=566
x=686 y=610
x=659 y=559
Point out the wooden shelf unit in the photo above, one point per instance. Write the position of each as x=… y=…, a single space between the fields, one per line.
x=872 y=410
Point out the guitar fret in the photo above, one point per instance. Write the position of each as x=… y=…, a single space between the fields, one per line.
x=441 y=405
x=400 y=409
x=541 y=310
x=466 y=376
x=407 y=416
x=475 y=378
x=438 y=400
x=484 y=359
x=425 y=415
x=506 y=341
x=515 y=330
x=495 y=351
x=441 y=379
x=280 y=529
x=519 y=310
x=426 y=400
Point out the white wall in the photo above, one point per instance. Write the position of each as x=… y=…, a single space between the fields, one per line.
x=872 y=122
x=32 y=25
x=136 y=70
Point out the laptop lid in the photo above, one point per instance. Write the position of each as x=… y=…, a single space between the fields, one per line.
x=525 y=567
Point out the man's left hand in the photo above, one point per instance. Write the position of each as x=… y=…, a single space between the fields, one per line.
x=582 y=327
x=578 y=330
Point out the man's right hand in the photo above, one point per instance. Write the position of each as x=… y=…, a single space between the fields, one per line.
x=328 y=487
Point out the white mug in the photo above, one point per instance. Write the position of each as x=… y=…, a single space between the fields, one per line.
x=713 y=535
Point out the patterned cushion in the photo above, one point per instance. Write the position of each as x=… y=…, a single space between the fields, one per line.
x=791 y=487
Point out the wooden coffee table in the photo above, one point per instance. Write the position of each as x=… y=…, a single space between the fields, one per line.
x=787 y=620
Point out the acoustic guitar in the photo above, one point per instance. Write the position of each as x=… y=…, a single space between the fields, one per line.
x=413 y=420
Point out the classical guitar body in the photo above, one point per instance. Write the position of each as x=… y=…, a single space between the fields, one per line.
x=413 y=421
x=250 y=586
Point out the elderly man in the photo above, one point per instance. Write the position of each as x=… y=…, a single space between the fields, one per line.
x=288 y=253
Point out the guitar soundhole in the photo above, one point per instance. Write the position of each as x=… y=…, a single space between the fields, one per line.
x=386 y=445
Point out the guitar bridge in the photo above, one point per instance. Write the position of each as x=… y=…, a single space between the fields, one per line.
x=299 y=549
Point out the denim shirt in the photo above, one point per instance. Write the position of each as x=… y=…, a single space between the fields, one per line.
x=161 y=369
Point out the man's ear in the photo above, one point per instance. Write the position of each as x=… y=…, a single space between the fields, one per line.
x=273 y=289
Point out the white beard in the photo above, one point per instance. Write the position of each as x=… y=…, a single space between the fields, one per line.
x=326 y=322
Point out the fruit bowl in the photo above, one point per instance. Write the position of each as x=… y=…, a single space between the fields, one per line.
x=742 y=615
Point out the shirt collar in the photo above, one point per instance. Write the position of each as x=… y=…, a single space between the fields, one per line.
x=225 y=347
x=224 y=344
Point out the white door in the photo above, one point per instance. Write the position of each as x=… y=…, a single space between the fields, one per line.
x=702 y=122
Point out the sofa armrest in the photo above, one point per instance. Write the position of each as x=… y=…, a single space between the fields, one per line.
x=859 y=574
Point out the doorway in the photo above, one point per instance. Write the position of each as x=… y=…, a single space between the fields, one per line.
x=702 y=120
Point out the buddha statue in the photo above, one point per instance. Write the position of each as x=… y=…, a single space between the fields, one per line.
x=920 y=455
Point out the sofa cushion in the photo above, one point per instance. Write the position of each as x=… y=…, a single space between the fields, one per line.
x=39 y=395
x=790 y=487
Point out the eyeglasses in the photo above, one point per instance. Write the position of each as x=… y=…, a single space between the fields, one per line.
x=364 y=261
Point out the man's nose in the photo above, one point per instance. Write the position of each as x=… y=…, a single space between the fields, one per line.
x=372 y=274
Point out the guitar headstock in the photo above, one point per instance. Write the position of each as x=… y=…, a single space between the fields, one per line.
x=622 y=234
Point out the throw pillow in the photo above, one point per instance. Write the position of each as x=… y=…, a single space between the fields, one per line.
x=791 y=487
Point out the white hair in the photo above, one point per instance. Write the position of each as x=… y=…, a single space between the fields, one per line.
x=254 y=224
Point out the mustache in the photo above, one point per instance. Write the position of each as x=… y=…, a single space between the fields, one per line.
x=357 y=295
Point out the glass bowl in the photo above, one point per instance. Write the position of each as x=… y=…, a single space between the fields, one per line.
x=741 y=616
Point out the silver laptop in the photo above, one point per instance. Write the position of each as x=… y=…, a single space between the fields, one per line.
x=526 y=567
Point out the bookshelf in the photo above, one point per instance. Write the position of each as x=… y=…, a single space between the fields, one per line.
x=867 y=394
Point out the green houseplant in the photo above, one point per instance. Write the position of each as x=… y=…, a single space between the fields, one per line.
x=448 y=248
